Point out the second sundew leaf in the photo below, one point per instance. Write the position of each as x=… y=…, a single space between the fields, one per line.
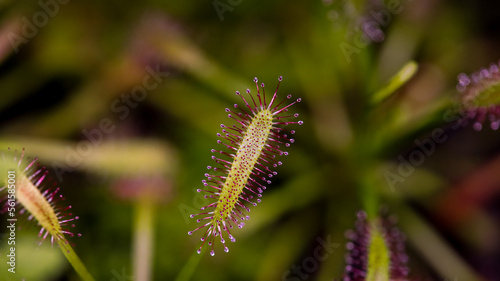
x=480 y=96
x=378 y=257
x=40 y=204
x=376 y=251
x=253 y=145
x=24 y=189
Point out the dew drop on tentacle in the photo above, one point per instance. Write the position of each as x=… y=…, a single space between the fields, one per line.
x=484 y=73
x=494 y=68
x=477 y=126
x=495 y=125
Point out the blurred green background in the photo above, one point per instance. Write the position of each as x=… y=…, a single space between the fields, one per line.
x=72 y=74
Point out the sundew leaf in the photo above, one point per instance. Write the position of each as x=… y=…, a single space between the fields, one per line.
x=251 y=148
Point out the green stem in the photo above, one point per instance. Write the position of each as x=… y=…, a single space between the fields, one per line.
x=74 y=260
x=364 y=174
x=189 y=267
x=369 y=194
x=143 y=240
